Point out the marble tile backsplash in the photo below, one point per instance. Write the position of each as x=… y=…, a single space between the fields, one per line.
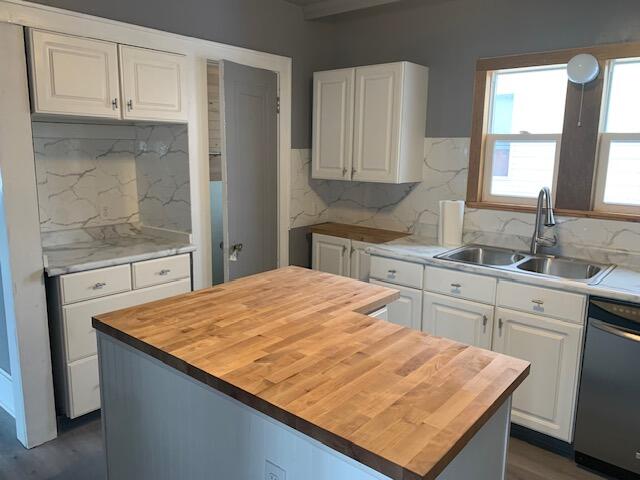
x=414 y=208
x=99 y=175
x=162 y=163
x=85 y=178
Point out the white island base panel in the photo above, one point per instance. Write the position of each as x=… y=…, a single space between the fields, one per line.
x=160 y=424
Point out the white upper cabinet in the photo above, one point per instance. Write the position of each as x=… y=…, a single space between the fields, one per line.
x=369 y=123
x=333 y=124
x=82 y=77
x=152 y=84
x=73 y=75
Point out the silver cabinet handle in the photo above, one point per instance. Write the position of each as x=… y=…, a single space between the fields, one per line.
x=537 y=301
x=500 y=324
x=344 y=249
x=353 y=171
x=164 y=272
x=484 y=320
x=99 y=285
x=456 y=285
x=130 y=105
x=391 y=272
x=344 y=171
x=353 y=250
x=114 y=103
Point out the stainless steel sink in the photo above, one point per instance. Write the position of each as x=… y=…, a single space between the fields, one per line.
x=561 y=267
x=481 y=255
x=544 y=265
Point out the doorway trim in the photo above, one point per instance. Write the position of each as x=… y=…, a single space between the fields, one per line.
x=197 y=52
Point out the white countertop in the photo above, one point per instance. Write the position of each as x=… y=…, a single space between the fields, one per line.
x=124 y=245
x=620 y=284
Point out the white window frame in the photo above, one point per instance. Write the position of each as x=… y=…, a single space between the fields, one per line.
x=490 y=140
x=605 y=140
x=599 y=205
x=487 y=174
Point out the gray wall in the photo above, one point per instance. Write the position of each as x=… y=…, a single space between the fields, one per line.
x=272 y=26
x=449 y=35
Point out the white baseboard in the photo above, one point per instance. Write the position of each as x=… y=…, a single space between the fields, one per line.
x=6 y=393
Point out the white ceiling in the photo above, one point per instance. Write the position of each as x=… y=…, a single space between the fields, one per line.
x=325 y=8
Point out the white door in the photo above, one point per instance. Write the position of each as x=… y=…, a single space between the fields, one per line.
x=457 y=319
x=407 y=310
x=360 y=261
x=376 y=133
x=74 y=75
x=153 y=85
x=332 y=124
x=546 y=400
x=331 y=254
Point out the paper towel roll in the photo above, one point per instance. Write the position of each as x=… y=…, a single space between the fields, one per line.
x=450 y=224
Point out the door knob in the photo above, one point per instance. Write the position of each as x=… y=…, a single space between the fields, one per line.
x=236 y=248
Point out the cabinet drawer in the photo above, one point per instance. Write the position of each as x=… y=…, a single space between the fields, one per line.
x=161 y=270
x=84 y=386
x=460 y=284
x=76 y=287
x=382 y=314
x=80 y=337
x=396 y=271
x=542 y=301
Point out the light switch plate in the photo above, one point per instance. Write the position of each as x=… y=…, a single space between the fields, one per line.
x=273 y=472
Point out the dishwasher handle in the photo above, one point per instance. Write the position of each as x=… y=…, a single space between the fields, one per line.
x=615 y=330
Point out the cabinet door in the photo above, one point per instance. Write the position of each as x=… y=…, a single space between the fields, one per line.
x=407 y=310
x=360 y=261
x=331 y=254
x=460 y=320
x=333 y=124
x=378 y=97
x=73 y=75
x=546 y=400
x=153 y=85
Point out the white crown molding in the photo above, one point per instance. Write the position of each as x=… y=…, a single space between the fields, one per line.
x=326 y=8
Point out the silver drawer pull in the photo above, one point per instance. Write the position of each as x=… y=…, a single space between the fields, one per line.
x=537 y=301
x=391 y=272
x=99 y=285
x=485 y=319
x=164 y=272
x=456 y=285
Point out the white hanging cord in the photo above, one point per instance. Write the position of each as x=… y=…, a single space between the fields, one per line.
x=581 y=102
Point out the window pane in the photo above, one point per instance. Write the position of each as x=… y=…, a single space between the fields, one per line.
x=529 y=100
x=623 y=174
x=624 y=97
x=522 y=168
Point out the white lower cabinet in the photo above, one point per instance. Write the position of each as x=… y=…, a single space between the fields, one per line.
x=546 y=400
x=74 y=349
x=360 y=261
x=331 y=254
x=407 y=310
x=541 y=325
x=457 y=319
x=382 y=314
x=340 y=256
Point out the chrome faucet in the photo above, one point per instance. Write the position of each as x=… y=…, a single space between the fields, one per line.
x=538 y=238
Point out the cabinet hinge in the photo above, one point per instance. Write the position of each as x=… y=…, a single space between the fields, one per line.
x=277 y=104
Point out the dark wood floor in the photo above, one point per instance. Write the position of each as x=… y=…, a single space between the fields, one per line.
x=77 y=455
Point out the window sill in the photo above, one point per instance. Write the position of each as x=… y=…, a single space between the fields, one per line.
x=623 y=217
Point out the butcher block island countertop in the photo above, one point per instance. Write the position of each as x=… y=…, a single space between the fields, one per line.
x=295 y=345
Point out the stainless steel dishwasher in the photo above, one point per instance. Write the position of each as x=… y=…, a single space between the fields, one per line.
x=607 y=435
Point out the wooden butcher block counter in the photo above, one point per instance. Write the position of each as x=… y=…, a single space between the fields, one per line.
x=294 y=344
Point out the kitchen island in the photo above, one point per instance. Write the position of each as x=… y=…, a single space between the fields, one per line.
x=284 y=374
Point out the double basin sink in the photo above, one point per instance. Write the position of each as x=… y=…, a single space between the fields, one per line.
x=545 y=265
